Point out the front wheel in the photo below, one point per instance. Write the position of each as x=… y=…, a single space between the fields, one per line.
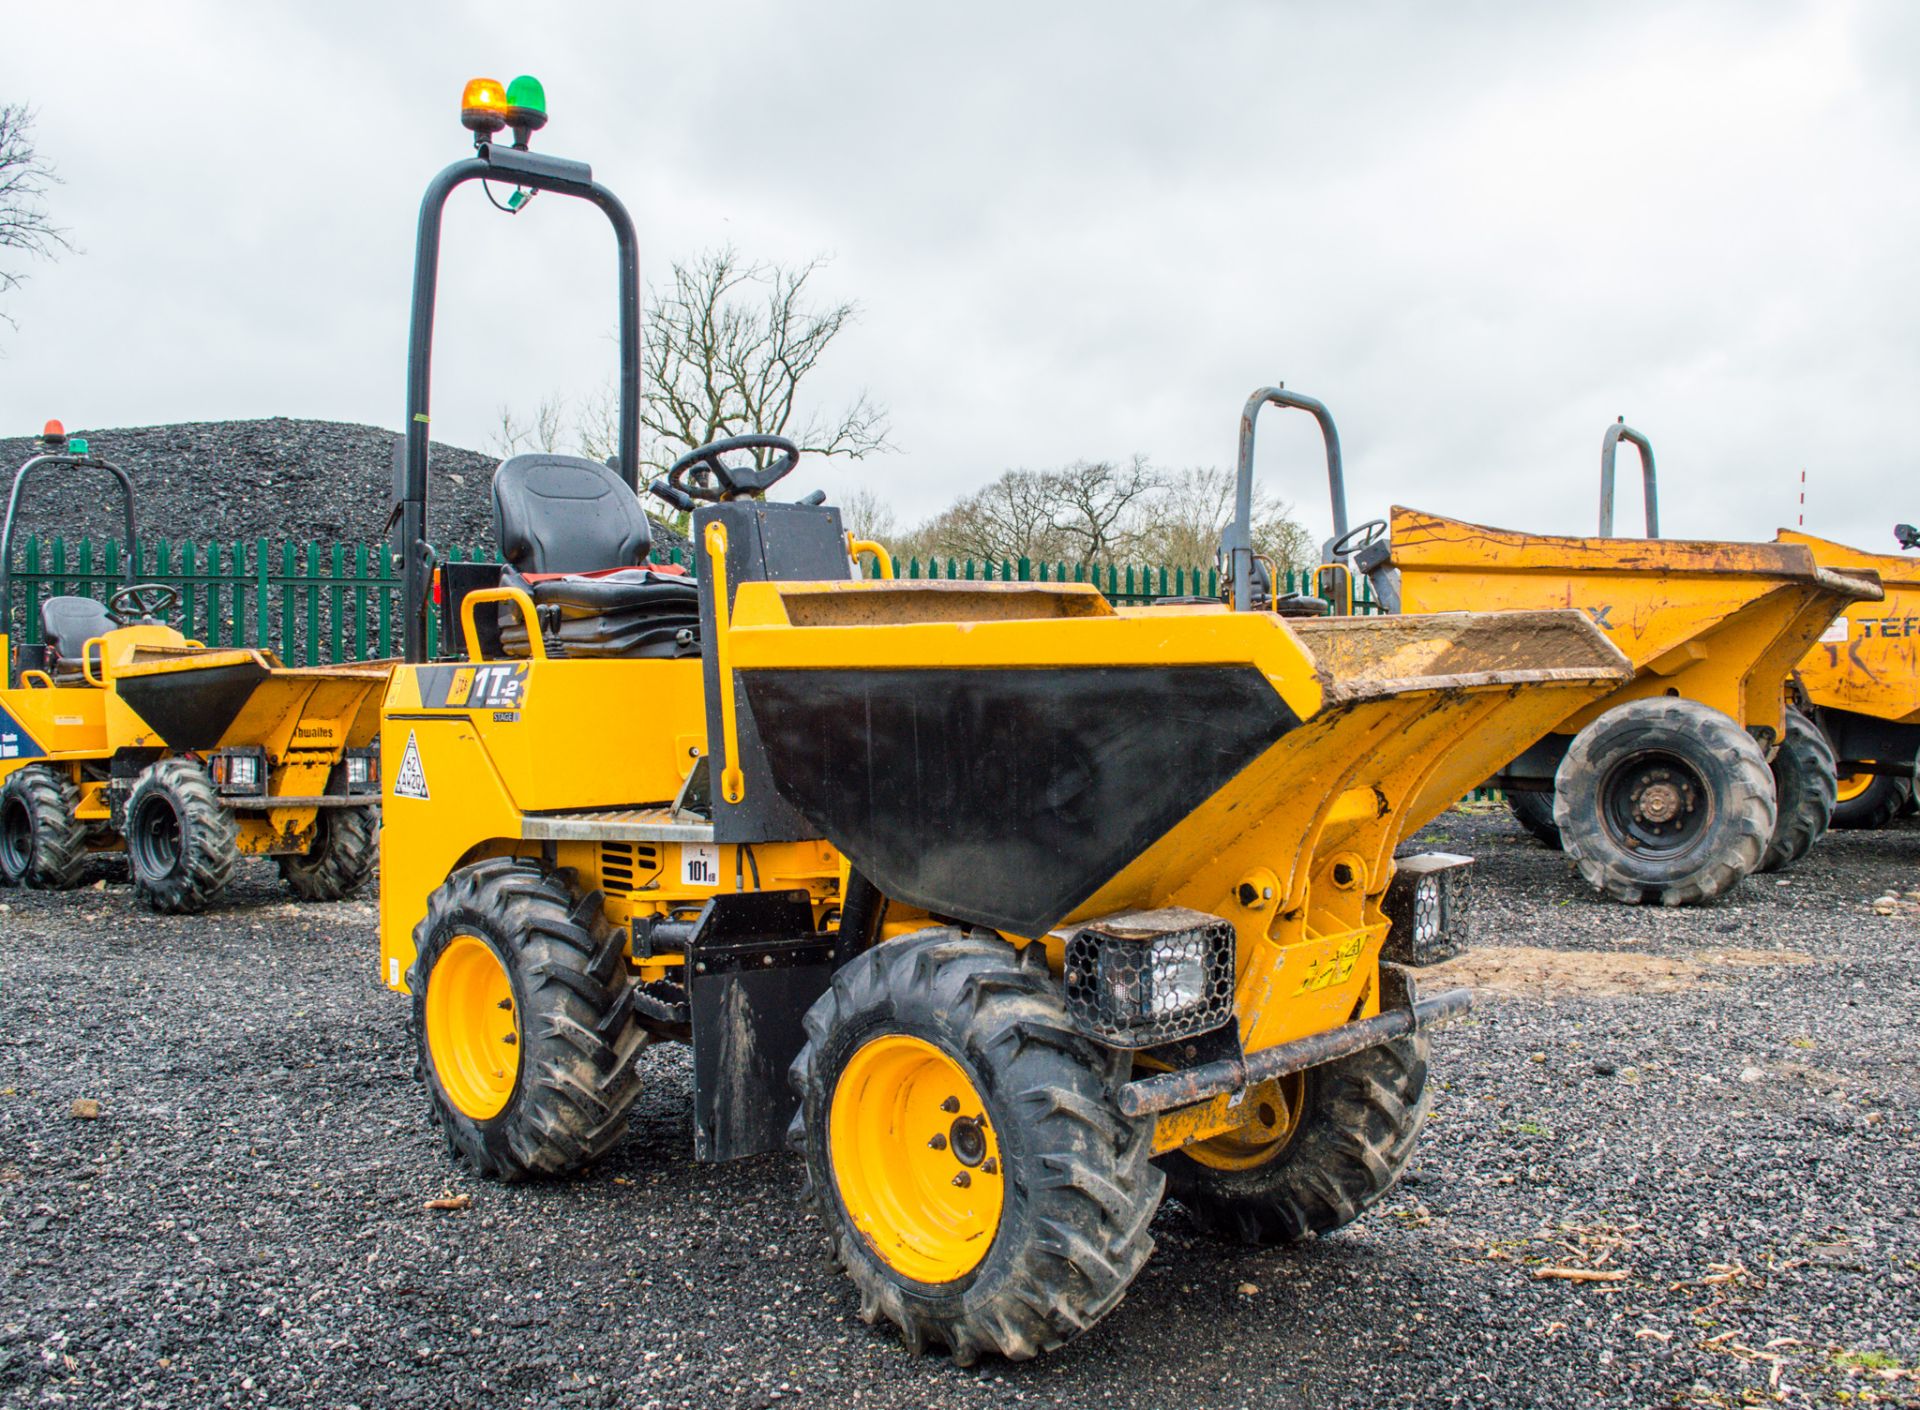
x=979 y=1185
x=345 y=848
x=1534 y=812
x=524 y=1021
x=42 y=843
x=1869 y=802
x=1339 y=1137
x=1804 y=787
x=182 y=842
x=1664 y=801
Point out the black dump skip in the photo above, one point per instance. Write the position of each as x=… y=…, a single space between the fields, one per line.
x=192 y=708
x=1006 y=797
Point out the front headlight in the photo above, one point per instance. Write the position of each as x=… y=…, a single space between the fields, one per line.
x=239 y=772
x=1142 y=978
x=363 y=771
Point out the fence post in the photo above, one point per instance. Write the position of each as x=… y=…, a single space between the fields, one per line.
x=385 y=556
x=359 y=602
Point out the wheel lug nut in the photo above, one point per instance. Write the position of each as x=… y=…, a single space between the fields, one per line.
x=992 y=1167
x=510 y=1040
x=938 y=1143
x=507 y=1004
x=950 y=1104
x=963 y=1179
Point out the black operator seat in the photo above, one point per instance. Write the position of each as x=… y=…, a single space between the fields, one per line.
x=576 y=539
x=67 y=624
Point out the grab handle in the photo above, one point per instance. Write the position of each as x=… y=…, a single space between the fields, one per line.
x=536 y=640
x=1236 y=542
x=1620 y=431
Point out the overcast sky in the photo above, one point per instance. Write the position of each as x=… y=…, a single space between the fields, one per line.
x=1479 y=232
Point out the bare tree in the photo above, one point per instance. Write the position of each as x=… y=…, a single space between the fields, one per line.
x=1197 y=504
x=25 y=177
x=868 y=516
x=1103 y=511
x=545 y=431
x=728 y=345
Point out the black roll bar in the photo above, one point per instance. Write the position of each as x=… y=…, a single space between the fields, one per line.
x=1620 y=431
x=538 y=172
x=51 y=458
x=1236 y=543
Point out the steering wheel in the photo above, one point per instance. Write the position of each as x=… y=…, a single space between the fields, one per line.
x=138 y=600
x=692 y=476
x=1363 y=536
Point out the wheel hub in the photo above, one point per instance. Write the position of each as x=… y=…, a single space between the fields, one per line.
x=1661 y=799
x=473 y=1028
x=16 y=835
x=1657 y=804
x=916 y=1161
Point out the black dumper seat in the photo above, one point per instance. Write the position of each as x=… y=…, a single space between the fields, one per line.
x=67 y=624
x=634 y=612
x=576 y=539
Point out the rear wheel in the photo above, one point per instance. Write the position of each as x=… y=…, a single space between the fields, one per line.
x=1803 y=789
x=1664 y=800
x=42 y=844
x=1534 y=812
x=524 y=1022
x=345 y=848
x=182 y=842
x=979 y=1186
x=1869 y=801
x=1340 y=1136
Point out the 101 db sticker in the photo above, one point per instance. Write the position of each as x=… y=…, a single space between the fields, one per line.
x=699 y=864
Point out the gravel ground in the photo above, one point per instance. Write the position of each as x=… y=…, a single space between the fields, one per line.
x=1721 y=1104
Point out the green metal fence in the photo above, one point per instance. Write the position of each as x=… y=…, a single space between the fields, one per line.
x=316 y=602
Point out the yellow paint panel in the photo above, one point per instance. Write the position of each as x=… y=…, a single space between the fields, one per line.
x=1871 y=665
x=1721 y=623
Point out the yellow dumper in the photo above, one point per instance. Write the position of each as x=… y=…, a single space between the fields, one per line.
x=1007 y=908
x=1695 y=772
x=117 y=732
x=1862 y=684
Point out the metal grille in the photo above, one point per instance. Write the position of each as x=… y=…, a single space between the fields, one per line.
x=626 y=867
x=1138 y=990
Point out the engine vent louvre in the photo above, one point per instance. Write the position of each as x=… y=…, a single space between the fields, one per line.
x=625 y=867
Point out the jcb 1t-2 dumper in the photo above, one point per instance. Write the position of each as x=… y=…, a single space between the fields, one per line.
x=1009 y=908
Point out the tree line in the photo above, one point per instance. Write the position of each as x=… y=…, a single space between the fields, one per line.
x=730 y=345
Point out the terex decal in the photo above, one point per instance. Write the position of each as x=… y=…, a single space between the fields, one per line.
x=1888 y=626
x=15 y=742
x=492 y=687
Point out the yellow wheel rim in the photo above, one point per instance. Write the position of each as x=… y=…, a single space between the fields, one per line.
x=1852 y=786
x=1275 y=1108
x=473 y=1031
x=914 y=1159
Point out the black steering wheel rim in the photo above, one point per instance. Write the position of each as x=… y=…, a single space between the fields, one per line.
x=735 y=481
x=143 y=600
x=1368 y=534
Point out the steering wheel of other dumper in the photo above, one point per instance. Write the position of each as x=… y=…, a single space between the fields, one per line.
x=705 y=474
x=137 y=600
x=1360 y=536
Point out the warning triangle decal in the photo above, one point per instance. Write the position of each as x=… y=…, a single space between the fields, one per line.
x=411 y=781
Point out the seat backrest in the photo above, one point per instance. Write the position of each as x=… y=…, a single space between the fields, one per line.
x=565 y=514
x=69 y=623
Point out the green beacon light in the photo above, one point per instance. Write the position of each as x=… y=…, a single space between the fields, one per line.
x=77 y=445
x=526 y=107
